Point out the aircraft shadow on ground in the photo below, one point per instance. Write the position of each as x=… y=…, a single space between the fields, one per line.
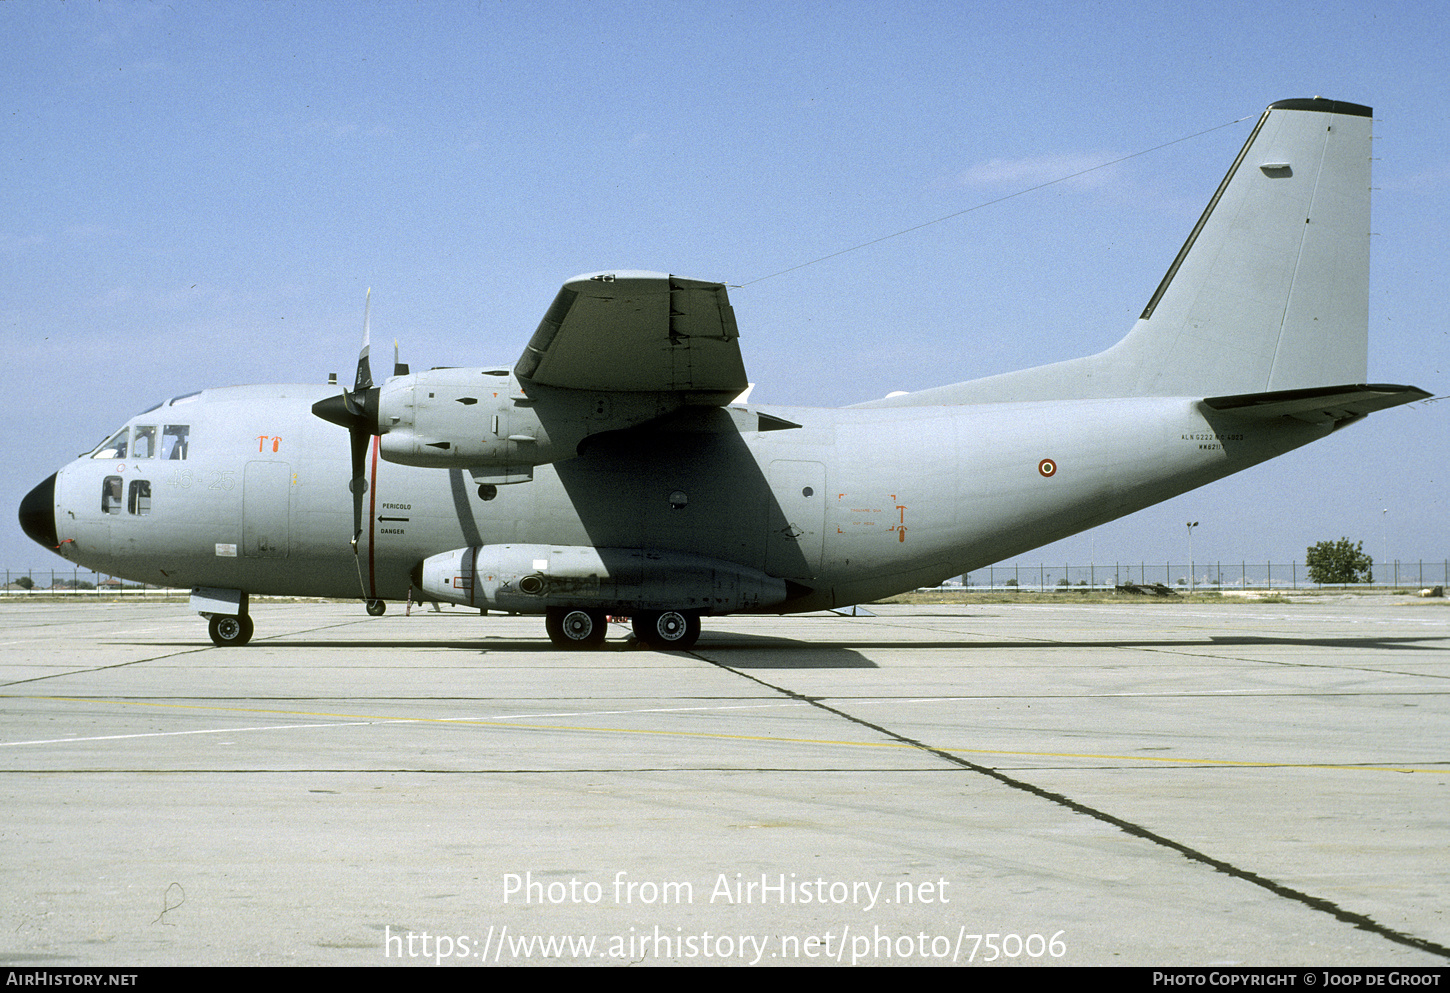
x=742 y=651
x=1212 y=641
x=747 y=651
x=751 y=651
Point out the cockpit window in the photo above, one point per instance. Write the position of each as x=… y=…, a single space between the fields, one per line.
x=111 y=495
x=116 y=447
x=139 y=501
x=143 y=441
x=173 y=441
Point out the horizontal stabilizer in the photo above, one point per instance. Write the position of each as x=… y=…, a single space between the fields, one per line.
x=1317 y=405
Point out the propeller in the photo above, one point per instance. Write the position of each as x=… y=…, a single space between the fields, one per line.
x=358 y=412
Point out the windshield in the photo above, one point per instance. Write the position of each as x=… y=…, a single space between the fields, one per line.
x=146 y=441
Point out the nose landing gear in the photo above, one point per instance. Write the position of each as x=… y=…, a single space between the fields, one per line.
x=229 y=631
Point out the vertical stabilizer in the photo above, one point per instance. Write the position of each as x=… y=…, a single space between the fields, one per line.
x=1272 y=288
x=1270 y=291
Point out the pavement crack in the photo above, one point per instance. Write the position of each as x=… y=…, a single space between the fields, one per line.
x=1360 y=921
x=103 y=668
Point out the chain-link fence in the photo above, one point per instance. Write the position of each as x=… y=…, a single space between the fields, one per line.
x=1042 y=576
x=1416 y=574
x=75 y=582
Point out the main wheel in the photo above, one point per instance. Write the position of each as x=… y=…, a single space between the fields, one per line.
x=667 y=630
x=228 y=631
x=377 y=608
x=575 y=627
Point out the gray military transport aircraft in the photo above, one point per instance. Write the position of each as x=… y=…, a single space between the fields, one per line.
x=617 y=469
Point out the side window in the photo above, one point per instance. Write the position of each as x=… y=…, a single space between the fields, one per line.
x=139 y=500
x=173 y=441
x=111 y=495
x=143 y=442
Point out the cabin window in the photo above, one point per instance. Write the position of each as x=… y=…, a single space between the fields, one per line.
x=111 y=494
x=173 y=441
x=143 y=442
x=115 y=447
x=139 y=500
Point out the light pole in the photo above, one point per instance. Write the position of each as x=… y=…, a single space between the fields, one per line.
x=1384 y=538
x=1191 y=526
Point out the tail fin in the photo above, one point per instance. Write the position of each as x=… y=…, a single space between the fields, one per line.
x=1270 y=292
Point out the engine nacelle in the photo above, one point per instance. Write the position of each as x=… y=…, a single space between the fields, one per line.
x=483 y=419
x=459 y=418
x=528 y=579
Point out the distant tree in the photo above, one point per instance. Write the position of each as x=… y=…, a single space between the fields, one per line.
x=25 y=583
x=1010 y=582
x=1338 y=563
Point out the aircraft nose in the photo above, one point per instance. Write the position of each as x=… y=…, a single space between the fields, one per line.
x=37 y=514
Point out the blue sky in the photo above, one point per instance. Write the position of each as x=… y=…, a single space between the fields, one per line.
x=199 y=194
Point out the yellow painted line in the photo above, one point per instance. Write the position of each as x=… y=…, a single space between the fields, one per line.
x=519 y=725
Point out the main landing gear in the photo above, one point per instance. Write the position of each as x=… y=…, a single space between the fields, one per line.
x=572 y=628
x=576 y=628
x=667 y=630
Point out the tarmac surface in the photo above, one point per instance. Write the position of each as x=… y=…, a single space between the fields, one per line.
x=1162 y=783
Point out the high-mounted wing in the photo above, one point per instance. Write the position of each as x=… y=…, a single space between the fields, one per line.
x=638 y=332
x=614 y=351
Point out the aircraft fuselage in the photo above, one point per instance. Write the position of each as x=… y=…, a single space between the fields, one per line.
x=850 y=506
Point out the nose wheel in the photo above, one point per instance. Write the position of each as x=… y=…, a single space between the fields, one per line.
x=229 y=631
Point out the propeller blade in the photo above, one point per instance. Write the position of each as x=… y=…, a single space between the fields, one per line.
x=360 y=438
x=358 y=412
x=364 y=379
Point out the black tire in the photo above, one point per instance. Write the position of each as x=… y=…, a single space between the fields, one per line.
x=668 y=630
x=574 y=628
x=377 y=607
x=229 y=631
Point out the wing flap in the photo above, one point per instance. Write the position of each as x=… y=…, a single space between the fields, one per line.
x=638 y=332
